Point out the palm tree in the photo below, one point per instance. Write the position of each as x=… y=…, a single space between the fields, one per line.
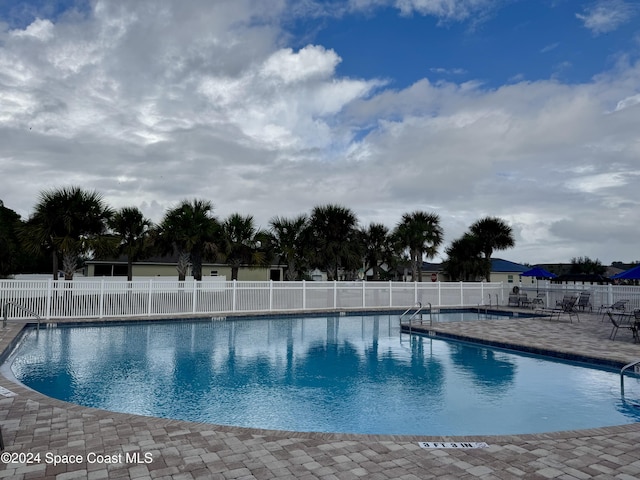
x=191 y=231
x=10 y=247
x=244 y=243
x=465 y=261
x=69 y=222
x=419 y=233
x=133 y=231
x=332 y=231
x=288 y=242
x=377 y=247
x=493 y=234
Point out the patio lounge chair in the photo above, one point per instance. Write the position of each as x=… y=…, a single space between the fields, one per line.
x=583 y=301
x=538 y=302
x=565 y=299
x=524 y=300
x=514 y=300
x=619 y=306
x=617 y=326
x=567 y=307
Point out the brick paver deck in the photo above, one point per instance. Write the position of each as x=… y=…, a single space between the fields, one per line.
x=94 y=444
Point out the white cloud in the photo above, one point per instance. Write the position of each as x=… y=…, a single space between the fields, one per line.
x=628 y=102
x=446 y=9
x=550 y=47
x=40 y=30
x=448 y=71
x=310 y=62
x=601 y=181
x=283 y=101
x=606 y=15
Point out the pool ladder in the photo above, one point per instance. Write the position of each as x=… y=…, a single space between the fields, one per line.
x=490 y=304
x=636 y=370
x=5 y=312
x=415 y=314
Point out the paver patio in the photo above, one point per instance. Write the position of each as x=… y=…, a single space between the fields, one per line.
x=151 y=448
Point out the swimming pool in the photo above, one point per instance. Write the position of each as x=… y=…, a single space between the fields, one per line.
x=351 y=374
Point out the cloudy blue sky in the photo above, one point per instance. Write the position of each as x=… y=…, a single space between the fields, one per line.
x=525 y=110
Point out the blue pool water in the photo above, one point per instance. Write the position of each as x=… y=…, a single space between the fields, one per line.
x=352 y=374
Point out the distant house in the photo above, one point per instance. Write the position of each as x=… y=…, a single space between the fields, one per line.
x=433 y=272
x=166 y=267
x=501 y=271
x=507 y=272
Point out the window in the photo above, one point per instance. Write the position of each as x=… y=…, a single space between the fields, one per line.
x=509 y=278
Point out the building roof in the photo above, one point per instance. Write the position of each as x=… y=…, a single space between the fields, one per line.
x=499 y=265
x=432 y=267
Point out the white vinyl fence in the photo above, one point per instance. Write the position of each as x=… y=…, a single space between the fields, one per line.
x=109 y=298
x=113 y=298
x=601 y=295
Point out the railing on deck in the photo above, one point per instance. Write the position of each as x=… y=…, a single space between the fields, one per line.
x=5 y=312
x=104 y=298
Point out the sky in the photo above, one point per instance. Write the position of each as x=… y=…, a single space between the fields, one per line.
x=524 y=110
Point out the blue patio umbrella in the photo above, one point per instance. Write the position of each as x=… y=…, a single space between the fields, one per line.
x=631 y=274
x=539 y=273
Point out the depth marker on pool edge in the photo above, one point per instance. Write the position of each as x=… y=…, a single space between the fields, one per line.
x=453 y=445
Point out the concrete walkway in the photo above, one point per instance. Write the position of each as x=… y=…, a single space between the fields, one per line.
x=50 y=439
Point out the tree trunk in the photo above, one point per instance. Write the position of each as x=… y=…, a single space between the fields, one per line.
x=196 y=265
x=182 y=266
x=69 y=264
x=291 y=272
x=487 y=256
x=129 y=268
x=414 y=265
x=55 y=264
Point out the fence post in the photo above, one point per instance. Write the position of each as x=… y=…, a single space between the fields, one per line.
x=49 y=299
x=482 y=293
x=461 y=294
x=150 y=295
x=335 y=294
x=363 y=295
x=194 y=302
x=270 y=295
x=415 y=292
x=101 y=308
x=304 y=294
x=233 y=300
x=390 y=294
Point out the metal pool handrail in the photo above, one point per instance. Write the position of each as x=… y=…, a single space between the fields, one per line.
x=5 y=313
x=626 y=367
x=417 y=304
x=415 y=314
